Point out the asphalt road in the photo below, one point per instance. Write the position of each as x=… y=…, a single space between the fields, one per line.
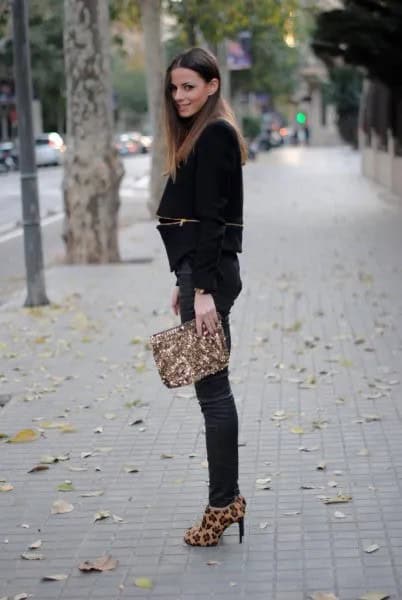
x=12 y=268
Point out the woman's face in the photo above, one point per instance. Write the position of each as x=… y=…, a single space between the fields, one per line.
x=190 y=91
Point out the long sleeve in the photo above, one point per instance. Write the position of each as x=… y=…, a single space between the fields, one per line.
x=216 y=153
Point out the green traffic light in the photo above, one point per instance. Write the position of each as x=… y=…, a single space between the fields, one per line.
x=301 y=118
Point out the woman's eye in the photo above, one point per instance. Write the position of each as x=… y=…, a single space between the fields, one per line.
x=188 y=87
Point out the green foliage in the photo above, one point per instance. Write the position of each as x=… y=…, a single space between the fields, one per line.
x=273 y=68
x=251 y=126
x=365 y=33
x=130 y=87
x=343 y=90
x=213 y=20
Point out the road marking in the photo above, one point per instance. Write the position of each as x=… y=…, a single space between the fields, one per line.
x=19 y=232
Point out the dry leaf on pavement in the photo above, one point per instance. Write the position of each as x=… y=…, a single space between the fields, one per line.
x=297 y=429
x=103 y=563
x=143 y=582
x=372 y=548
x=6 y=487
x=213 y=563
x=66 y=486
x=93 y=494
x=35 y=545
x=61 y=507
x=323 y=596
x=57 y=577
x=32 y=556
x=101 y=515
x=375 y=596
x=25 y=435
x=37 y=468
x=341 y=498
x=131 y=469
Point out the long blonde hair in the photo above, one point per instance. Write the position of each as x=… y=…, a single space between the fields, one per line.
x=182 y=134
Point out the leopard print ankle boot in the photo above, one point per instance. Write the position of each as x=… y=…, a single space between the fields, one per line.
x=214 y=523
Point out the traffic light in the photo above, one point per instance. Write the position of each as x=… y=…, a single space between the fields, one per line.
x=301 y=118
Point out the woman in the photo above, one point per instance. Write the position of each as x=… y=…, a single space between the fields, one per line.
x=200 y=218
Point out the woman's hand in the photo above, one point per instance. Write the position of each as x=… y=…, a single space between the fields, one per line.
x=205 y=313
x=175 y=302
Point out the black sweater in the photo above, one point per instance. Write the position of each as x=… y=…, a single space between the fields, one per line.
x=201 y=212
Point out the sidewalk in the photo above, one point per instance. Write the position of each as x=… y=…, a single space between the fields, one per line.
x=316 y=370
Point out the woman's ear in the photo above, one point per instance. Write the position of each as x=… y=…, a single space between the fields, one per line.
x=213 y=86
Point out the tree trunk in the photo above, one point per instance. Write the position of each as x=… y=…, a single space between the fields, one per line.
x=92 y=169
x=154 y=64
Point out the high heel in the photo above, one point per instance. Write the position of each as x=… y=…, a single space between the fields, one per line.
x=241 y=529
x=214 y=523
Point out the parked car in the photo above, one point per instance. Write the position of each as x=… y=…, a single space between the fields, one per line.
x=49 y=149
x=132 y=142
x=8 y=157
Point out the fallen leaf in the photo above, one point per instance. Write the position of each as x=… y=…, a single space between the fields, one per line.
x=321 y=466
x=32 y=556
x=66 y=486
x=341 y=498
x=3 y=436
x=53 y=424
x=35 y=545
x=143 y=582
x=213 y=563
x=167 y=455
x=263 y=483
x=98 y=429
x=332 y=484
x=25 y=435
x=6 y=487
x=371 y=418
x=67 y=428
x=323 y=596
x=363 y=452
x=137 y=422
x=85 y=454
x=61 y=507
x=39 y=468
x=375 y=596
x=49 y=460
x=264 y=524
x=297 y=429
x=117 y=519
x=101 y=515
x=93 y=494
x=57 y=577
x=131 y=469
x=22 y=596
x=291 y=513
x=103 y=563
x=372 y=548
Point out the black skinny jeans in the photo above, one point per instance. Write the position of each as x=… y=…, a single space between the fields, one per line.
x=214 y=393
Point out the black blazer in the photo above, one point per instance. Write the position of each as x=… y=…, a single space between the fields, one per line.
x=201 y=212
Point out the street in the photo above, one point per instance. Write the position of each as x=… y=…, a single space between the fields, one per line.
x=12 y=271
x=316 y=372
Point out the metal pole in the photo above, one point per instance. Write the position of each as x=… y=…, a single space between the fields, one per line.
x=36 y=293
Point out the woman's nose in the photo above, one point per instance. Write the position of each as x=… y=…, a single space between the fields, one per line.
x=178 y=94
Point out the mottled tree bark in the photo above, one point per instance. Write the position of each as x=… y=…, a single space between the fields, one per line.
x=154 y=63
x=93 y=169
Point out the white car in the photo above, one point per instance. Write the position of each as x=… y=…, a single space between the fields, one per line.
x=49 y=149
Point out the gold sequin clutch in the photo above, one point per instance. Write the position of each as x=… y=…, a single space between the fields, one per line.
x=182 y=357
